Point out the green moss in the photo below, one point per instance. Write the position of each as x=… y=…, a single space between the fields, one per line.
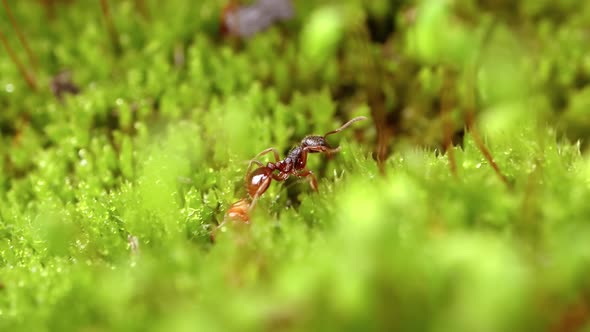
x=108 y=197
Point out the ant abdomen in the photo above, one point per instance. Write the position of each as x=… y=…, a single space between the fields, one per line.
x=258 y=181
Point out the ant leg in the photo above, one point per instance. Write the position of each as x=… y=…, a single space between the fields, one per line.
x=282 y=176
x=313 y=181
x=258 y=193
x=253 y=161
x=324 y=149
x=273 y=150
x=261 y=189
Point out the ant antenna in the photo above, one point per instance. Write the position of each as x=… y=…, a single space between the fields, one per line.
x=344 y=126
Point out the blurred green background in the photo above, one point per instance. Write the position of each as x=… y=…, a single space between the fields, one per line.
x=459 y=206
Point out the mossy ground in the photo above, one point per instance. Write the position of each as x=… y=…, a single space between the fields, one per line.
x=155 y=146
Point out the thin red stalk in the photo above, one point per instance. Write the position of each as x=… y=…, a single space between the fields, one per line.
x=376 y=99
x=106 y=12
x=142 y=7
x=449 y=144
x=20 y=35
x=448 y=129
x=471 y=105
x=482 y=147
x=26 y=75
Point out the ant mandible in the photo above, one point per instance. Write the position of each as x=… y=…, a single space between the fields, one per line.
x=258 y=181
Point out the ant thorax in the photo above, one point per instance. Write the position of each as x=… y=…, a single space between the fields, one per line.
x=295 y=158
x=294 y=153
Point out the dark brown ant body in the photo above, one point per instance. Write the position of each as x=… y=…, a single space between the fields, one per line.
x=258 y=181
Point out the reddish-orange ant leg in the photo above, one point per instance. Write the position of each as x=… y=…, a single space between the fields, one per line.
x=265 y=151
x=262 y=188
x=313 y=181
x=258 y=193
x=251 y=162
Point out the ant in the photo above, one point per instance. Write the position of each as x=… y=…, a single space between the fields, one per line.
x=258 y=181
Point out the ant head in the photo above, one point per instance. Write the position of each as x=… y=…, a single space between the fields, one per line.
x=315 y=143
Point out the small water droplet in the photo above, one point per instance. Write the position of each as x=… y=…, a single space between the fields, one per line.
x=9 y=88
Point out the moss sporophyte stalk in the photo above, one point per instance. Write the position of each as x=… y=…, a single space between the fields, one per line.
x=127 y=130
